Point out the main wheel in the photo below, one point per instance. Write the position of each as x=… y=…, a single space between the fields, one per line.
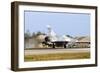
x=64 y=45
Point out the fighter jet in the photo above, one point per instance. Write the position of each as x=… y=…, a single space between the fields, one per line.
x=53 y=40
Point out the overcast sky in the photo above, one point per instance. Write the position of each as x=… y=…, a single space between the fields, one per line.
x=73 y=24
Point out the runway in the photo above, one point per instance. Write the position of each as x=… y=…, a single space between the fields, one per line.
x=52 y=51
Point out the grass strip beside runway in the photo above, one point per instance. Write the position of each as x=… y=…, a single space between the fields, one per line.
x=56 y=56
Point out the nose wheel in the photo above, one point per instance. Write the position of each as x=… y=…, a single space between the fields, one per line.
x=53 y=45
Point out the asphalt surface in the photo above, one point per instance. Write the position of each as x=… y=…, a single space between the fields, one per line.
x=52 y=51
